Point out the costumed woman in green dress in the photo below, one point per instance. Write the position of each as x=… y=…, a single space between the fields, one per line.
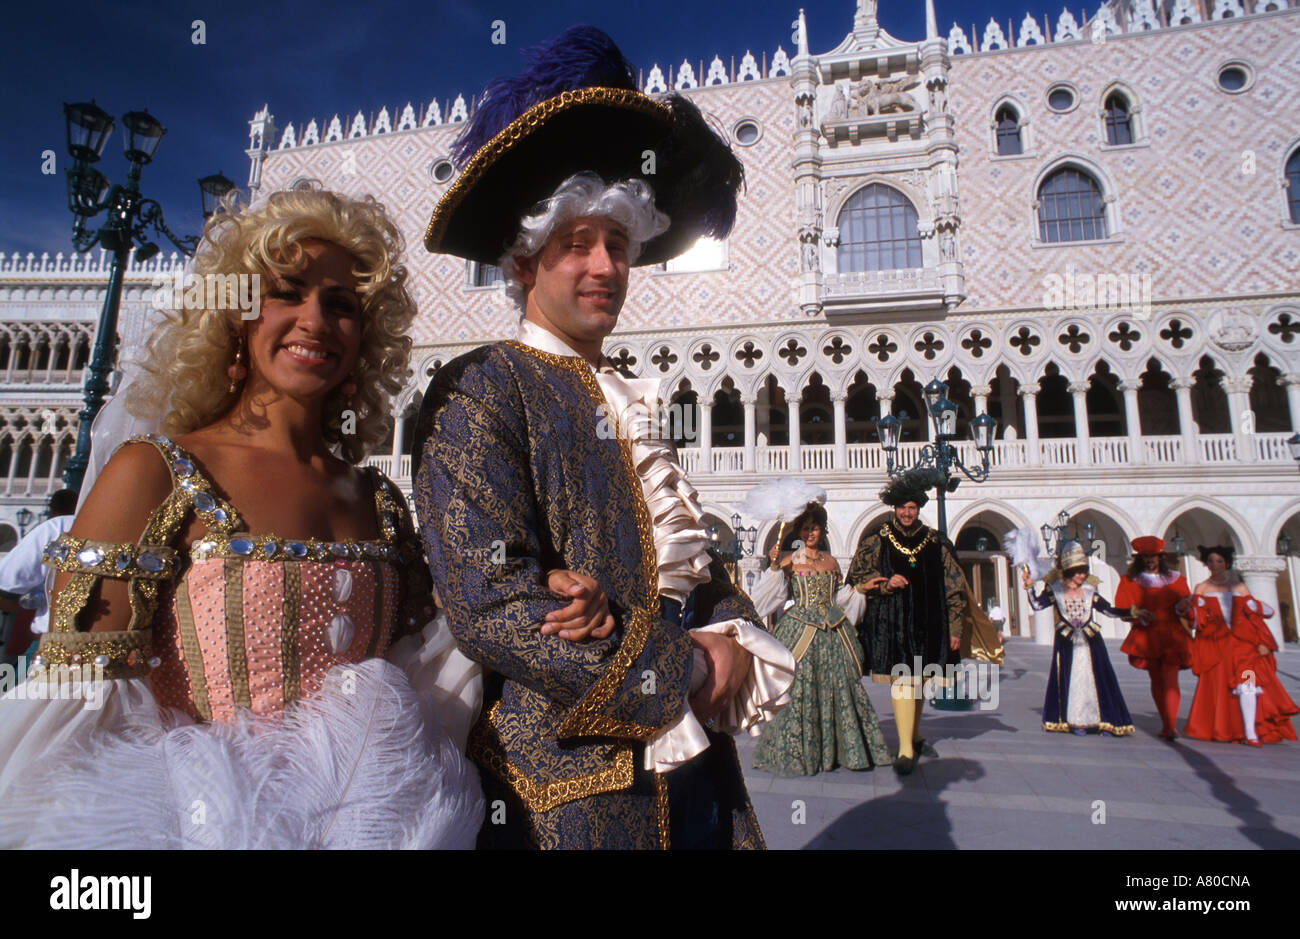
x=830 y=721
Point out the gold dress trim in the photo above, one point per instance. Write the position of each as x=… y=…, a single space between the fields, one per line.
x=97 y=655
x=236 y=654
x=519 y=129
x=116 y=560
x=289 y=629
x=193 y=652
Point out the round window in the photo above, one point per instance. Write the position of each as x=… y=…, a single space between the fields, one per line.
x=441 y=171
x=1060 y=99
x=1234 y=78
x=747 y=132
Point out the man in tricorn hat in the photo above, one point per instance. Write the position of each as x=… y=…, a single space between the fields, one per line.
x=914 y=621
x=536 y=454
x=1157 y=642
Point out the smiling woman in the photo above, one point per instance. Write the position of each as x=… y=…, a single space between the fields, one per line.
x=249 y=611
x=188 y=356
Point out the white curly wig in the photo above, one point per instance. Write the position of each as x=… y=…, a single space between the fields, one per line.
x=631 y=203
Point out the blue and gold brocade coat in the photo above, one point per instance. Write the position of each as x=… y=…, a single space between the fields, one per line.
x=513 y=480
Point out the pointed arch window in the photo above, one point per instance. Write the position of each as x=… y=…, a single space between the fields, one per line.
x=878 y=231
x=1071 y=207
x=1119 y=120
x=1293 y=187
x=1010 y=141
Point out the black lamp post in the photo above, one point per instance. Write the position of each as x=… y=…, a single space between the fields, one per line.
x=129 y=217
x=1054 y=535
x=740 y=546
x=940 y=457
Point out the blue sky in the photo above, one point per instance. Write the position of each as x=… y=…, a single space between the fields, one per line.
x=314 y=60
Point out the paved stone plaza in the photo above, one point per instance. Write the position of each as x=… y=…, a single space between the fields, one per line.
x=1001 y=782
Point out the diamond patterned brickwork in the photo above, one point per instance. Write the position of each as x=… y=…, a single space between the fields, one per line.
x=1190 y=217
x=762 y=250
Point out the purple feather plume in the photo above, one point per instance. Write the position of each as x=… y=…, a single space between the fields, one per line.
x=580 y=57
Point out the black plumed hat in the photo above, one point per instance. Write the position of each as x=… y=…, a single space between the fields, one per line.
x=577 y=109
x=911 y=486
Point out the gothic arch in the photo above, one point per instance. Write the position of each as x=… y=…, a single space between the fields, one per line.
x=1109 y=194
x=920 y=200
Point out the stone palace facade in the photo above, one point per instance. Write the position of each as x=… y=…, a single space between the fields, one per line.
x=1089 y=230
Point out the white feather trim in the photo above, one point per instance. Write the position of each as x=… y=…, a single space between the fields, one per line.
x=780 y=499
x=1021 y=545
x=362 y=764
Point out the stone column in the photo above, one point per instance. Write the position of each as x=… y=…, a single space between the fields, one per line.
x=1030 y=396
x=706 y=437
x=1082 y=441
x=841 y=432
x=1186 y=425
x=792 y=422
x=981 y=395
x=1291 y=382
x=1136 y=452
x=1260 y=576
x=9 y=471
x=399 y=431
x=750 y=404
x=1238 y=390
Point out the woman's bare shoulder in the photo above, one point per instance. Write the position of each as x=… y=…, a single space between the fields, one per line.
x=132 y=484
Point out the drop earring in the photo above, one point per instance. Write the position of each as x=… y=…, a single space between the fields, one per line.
x=238 y=371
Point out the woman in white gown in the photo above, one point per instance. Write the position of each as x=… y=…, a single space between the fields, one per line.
x=242 y=650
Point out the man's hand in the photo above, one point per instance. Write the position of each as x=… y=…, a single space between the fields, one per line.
x=954 y=643
x=897 y=582
x=587 y=616
x=871 y=586
x=729 y=666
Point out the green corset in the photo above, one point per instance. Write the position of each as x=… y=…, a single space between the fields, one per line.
x=813 y=593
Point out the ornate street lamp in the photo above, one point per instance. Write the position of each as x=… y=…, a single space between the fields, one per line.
x=940 y=457
x=25 y=517
x=1177 y=546
x=1293 y=442
x=1283 y=545
x=128 y=218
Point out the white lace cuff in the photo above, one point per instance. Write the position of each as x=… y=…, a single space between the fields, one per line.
x=765 y=692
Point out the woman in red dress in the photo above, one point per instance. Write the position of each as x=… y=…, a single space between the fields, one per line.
x=1238 y=697
x=1157 y=642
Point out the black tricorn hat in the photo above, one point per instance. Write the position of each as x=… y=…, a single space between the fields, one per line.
x=576 y=109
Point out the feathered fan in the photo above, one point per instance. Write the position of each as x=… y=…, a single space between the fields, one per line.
x=1021 y=546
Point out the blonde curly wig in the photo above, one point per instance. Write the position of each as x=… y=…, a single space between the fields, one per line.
x=187 y=356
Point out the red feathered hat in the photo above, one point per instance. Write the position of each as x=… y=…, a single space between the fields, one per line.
x=1148 y=544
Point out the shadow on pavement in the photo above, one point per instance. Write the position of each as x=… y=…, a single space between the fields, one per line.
x=912 y=817
x=1256 y=824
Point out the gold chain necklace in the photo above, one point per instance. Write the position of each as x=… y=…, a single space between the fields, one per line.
x=909 y=553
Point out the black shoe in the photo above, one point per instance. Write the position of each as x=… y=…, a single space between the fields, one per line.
x=904 y=765
x=924 y=749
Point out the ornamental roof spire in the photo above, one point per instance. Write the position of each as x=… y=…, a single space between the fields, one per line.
x=931 y=29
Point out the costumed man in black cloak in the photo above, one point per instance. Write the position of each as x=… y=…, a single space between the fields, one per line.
x=537 y=454
x=915 y=619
